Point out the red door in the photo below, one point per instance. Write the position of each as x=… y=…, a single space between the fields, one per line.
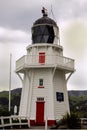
x=40 y=113
x=42 y=58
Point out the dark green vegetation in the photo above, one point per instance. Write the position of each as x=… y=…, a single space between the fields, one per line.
x=15 y=100
x=69 y=121
x=77 y=100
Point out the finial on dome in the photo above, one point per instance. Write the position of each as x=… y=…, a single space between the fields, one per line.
x=44 y=11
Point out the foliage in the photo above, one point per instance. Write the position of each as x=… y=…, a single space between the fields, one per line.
x=4 y=112
x=4 y=94
x=15 y=100
x=72 y=121
x=77 y=101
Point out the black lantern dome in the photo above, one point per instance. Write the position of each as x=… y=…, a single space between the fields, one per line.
x=45 y=20
x=44 y=30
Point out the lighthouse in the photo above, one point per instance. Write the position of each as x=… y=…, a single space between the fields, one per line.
x=44 y=73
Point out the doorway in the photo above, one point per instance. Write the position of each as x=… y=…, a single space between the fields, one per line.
x=40 y=112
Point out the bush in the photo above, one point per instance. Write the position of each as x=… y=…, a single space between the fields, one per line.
x=71 y=121
x=4 y=112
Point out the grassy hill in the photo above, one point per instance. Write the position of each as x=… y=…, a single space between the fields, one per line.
x=15 y=100
x=77 y=101
x=75 y=93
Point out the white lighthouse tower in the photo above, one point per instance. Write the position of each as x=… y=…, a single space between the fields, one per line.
x=43 y=74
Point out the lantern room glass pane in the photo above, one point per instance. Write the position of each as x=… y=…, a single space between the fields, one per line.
x=51 y=39
x=44 y=30
x=45 y=38
x=36 y=31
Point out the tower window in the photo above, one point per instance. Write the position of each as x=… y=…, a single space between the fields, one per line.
x=41 y=83
x=59 y=96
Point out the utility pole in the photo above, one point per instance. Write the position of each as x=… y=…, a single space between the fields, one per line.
x=10 y=83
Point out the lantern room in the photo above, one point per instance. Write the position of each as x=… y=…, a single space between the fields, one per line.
x=45 y=30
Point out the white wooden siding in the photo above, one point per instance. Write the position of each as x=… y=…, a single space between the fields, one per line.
x=60 y=86
x=42 y=92
x=49 y=50
x=24 y=96
x=53 y=109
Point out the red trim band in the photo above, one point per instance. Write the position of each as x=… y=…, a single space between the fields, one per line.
x=40 y=86
x=49 y=122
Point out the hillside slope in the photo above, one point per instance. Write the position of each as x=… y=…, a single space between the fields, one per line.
x=77 y=101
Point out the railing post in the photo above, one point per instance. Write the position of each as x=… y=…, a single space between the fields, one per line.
x=19 y=118
x=10 y=121
x=46 y=123
x=2 y=120
x=28 y=121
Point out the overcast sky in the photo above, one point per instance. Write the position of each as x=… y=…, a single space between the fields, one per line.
x=16 y=20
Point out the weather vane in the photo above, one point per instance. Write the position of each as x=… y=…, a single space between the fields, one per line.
x=44 y=11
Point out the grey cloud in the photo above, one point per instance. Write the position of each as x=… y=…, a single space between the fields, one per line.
x=18 y=14
x=22 y=13
x=17 y=51
x=79 y=79
x=68 y=9
x=13 y=36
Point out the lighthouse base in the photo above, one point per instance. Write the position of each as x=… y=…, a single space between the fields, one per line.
x=49 y=123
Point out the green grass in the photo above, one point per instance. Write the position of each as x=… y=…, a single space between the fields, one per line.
x=4 y=94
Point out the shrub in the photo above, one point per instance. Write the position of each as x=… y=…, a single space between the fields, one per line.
x=4 y=112
x=72 y=121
